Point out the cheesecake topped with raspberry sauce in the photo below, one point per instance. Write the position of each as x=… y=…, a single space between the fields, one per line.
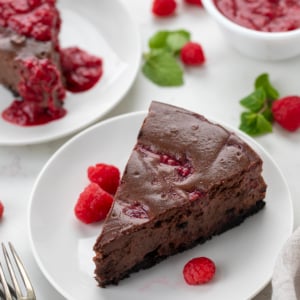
x=28 y=29
x=34 y=66
x=186 y=180
x=29 y=52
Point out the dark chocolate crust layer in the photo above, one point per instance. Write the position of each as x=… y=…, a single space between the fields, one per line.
x=153 y=258
x=187 y=179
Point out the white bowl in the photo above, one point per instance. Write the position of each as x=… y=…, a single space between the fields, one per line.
x=253 y=43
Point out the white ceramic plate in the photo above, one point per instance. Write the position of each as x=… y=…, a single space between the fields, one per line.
x=62 y=246
x=96 y=27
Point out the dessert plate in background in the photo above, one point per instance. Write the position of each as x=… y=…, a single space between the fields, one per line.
x=95 y=27
x=62 y=245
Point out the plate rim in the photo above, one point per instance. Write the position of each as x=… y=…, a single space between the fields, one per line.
x=134 y=66
x=85 y=132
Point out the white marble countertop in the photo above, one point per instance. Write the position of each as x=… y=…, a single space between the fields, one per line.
x=213 y=90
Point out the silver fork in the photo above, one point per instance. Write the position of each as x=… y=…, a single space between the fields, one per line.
x=15 y=292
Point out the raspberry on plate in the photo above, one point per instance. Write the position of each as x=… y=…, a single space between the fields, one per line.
x=192 y=54
x=286 y=112
x=1 y=209
x=164 y=8
x=93 y=204
x=106 y=176
x=194 y=2
x=199 y=270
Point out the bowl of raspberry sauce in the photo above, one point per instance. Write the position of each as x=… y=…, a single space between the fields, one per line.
x=261 y=29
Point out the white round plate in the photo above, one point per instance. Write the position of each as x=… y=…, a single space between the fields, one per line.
x=62 y=245
x=105 y=29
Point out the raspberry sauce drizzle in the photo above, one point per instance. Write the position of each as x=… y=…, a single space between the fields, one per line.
x=41 y=93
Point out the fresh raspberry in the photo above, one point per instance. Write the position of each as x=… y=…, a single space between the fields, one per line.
x=107 y=176
x=192 y=54
x=286 y=112
x=199 y=270
x=194 y=2
x=164 y=8
x=80 y=69
x=1 y=209
x=93 y=204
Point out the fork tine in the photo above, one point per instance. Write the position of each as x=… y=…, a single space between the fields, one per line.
x=11 y=272
x=12 y=292
x=1 y=294
x=29 y=289
x=25 y=278
x=6 y=292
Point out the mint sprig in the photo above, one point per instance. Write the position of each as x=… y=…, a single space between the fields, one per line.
x=160 y=63
x=258 y=118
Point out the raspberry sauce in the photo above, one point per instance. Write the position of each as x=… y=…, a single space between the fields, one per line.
x=38 y=19
x=41 y=93
x=28 y=114
x=80 y=69
x=262 y=15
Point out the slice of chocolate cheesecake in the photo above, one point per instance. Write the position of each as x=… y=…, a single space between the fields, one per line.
x=186 y=180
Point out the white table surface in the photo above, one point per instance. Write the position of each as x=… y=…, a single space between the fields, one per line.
x=213 y=90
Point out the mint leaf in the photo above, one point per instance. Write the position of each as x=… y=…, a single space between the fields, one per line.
x=259 y=117
x=163 y=69
x=262 y=124
x=268 y=115
x=255 y=101
x=158 y=40
x=262 y=81
x=171 y=40
x=248 y=123
x=177 y=39
x=254 y=124
x=154 y=52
